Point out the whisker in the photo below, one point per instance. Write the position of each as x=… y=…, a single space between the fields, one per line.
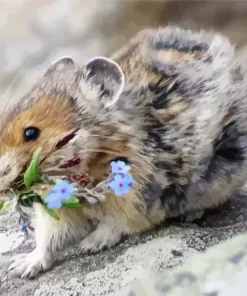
x=137 y=166
x=105 y=137
x=101 y=150
x=50 y=169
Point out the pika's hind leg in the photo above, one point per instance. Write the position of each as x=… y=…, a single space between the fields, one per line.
x=120 y=217
x=107 y=234
x=225 y=175
x=51 y=235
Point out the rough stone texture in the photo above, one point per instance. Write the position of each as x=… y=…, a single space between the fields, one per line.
x=221 y=271
x=107 y=272
x=34 y=33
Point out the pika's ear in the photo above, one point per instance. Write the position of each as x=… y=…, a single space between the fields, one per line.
x=60 y=65
x=102 y=80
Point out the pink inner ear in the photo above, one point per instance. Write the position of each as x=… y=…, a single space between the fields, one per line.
x=66 y=139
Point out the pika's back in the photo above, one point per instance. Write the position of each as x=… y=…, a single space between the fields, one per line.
x=195 y=126
x=171 y=51
x=181 y=75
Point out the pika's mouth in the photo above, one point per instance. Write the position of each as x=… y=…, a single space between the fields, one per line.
x=69 y=163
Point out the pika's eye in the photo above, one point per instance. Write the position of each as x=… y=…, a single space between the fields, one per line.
x=31 y=133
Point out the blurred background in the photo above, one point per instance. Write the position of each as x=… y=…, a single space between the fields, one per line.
x=33 y=33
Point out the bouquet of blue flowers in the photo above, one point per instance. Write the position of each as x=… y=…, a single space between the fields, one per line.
x=57 y=193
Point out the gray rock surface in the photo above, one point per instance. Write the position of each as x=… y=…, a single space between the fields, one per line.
x=34 y=33
x=109 y=271
x=220 y=271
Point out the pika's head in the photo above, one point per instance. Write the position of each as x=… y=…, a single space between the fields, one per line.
x=70 y=112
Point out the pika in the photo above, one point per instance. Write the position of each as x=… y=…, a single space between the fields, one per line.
x=172 y=103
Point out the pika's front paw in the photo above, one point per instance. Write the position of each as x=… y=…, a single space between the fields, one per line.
x=103 y=237
x=27 y=266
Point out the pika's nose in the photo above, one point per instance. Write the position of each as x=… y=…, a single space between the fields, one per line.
x=5 y=171
x=9 y=169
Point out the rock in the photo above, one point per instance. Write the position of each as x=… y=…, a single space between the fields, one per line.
x=220 y=271
x=105 y=273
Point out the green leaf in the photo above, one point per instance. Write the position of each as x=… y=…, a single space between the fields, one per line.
x=44 y=195
x=26 y=201
x=4 y=205
x=23 y=197
x=1 y=205
x=56 y=181
x=25 y=192
x=31 y=173
x=51 y=212
x=7 y=204
x=27 y=198
x=73 y=202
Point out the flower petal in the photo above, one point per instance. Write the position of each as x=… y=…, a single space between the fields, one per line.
x=119 y=167
x=118 y=191
x=23 y=227
x=63 y=190
x=54 y=204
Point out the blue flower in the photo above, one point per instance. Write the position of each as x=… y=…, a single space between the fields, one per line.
x=59 y=192
x=23 y=227
x=53 y=201
x=129 y=179
x=119 y=167
x=63 y=189
x=121 y=184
